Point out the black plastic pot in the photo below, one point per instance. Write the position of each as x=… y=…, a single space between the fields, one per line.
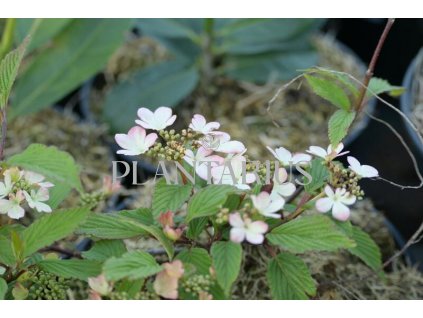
x=407 y=101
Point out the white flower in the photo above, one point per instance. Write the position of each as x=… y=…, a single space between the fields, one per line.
x=364 y=171
x=222 y=174
x=281 y=188
x=160 y=119
x=199 y=124
x=12 y=207
x=135 y=142
x=337 y=202
x=328 y=154
x=37 y=179
x=36 y=200
x=200 y=160
x=287 y=158
x=246 y=229
x=223 y=143
x=266 y=206
x=6 y=186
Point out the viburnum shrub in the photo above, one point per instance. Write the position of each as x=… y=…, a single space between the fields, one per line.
x=220 y=201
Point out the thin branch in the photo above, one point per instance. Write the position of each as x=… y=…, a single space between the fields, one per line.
x=372 y=65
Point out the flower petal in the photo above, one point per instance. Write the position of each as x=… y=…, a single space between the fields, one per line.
x=340 y=211
x=237 y=234
x=324 y=205
x=317 y=151
x=235 y=220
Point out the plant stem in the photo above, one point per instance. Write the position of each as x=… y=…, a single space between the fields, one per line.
x=307 y=197
x=372 y=65
x=7 y=37
x=207 y=58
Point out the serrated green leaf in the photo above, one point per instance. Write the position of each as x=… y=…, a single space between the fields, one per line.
x=366 y=249
x=379 y=86
x=9 y=67
x=309 y=233
x=196 y=227
x=3 y=288
x=198 y=257
x=104 y=249
x=57 y=166
x=114 y=226
x=6 y=251
x=339 y=124
x=169 y=197
x=227 y=257
x=142 y=215
x=72 y=268
x=319 y=174
x=208 y=200
x=51 y=228
x=75 y=55
x=130 y=287
x=329 y=90
x=289 y=278
x=132 y=265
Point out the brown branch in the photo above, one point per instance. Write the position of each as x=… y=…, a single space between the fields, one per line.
x=299 y=209
x=372 y=65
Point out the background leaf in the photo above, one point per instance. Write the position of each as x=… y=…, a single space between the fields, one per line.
x=366 y=249
x=132 y=265
x=379 y=86
x=289 y=278
x=309 y=233
x=208 y=200
x=3 y=288
x=339 y=123
x=319 y=174
x=227 y=257
x=57 y=166
x=104 y=249
x=6 y=251
x=166 y=83
x=199 y=257
x=76 y=54
x=52 y=227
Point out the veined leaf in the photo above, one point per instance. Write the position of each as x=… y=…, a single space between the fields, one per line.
x=132 y=265
x=6 y=251
x=199 y=257
x=208 y=200
x=339 y=124
x=57 y=166
x=169 y=197
x=76 y=54
x=227 y=257
x=104 y=249
x=289 y=278
x=319 y=174
x=309 y=233
x=3 y=288
x=51 y=228
x=379 y=86
x=72 y=268
x=329 y=90
x=9 y=67
x=366 y=249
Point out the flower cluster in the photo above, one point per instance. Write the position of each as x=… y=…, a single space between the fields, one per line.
x=218 y=159
x=18 y=187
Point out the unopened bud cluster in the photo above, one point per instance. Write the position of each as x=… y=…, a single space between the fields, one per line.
x=46 y=286
x=197 y=284
x=345 y=179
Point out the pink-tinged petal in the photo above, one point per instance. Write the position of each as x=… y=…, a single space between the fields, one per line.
x=235 y=220
x=324 y=205
x=254 y=238
x=216 y=160
x=189 y=157
x=369 y=171
x=136 y=133
x=33 y=177
x=16 y=212
x=222 y=136
x=123 y=141
x=217 y=172
x=42 y=207
x=275 y=206
x=340 y=211
x=283 y=155
x=211 y=126
x=317 y=151
x=349 y=199
x=250 y=178
x=203 y=152
x=281 y=176
x=339 y=148
x=171 y=120
x=145 y=114
x=233 y=147
x=286 y=189
x=43 y=194
x=46 y=184
x=258 y=227
x=144 y=124
x=342 y=153
x=272 y=151
x=150 y=140
x=202 y=171
x=301 y=158
x=354 y=163
x=329 y=192
x=4 y=206
x=198 y=121
x=237 y=235
x=128 y=152
x=261 y=201
x=163 y=113
x=240 y=186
